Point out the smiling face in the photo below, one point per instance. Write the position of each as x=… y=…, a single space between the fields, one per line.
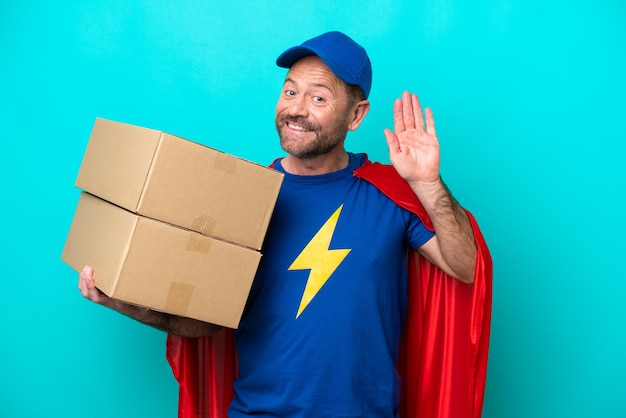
x=313 y=113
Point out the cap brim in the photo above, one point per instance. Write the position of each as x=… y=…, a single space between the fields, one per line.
x=290 y=56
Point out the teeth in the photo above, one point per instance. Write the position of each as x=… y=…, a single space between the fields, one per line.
x=296 y=127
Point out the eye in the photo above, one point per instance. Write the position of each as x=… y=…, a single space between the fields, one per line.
x=318 y=99
x=290 y=93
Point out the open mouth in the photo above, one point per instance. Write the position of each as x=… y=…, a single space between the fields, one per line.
x=297 y=127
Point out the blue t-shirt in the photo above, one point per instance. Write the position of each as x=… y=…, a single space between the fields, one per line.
x=321 y=330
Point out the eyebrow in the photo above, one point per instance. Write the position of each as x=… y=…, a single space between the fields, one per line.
x=320 y=85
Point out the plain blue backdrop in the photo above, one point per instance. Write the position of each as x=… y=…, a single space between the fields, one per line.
x=528 y=98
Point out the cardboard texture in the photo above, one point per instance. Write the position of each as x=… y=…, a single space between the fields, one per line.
x=150 y=263
x=165 y=177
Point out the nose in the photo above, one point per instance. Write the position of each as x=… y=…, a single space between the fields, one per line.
x=297 y=106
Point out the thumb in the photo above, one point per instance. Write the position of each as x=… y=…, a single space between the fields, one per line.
x=392 y=141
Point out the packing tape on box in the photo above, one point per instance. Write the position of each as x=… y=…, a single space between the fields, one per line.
x=198 y=243
x=226 y=163
x=204 y=225
x=178 y=298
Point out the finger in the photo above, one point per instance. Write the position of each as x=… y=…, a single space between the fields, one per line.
x=407 y=111
x=86 y=272
x=86 y=284
x=398 y=120
x=430 y=122
x=392 y=141
x=81 y=286
x=81 y=281
x=417 y=111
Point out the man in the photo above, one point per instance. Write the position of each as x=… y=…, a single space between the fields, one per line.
x=321 y=333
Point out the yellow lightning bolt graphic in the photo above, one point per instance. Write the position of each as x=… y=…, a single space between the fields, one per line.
x=317 y=257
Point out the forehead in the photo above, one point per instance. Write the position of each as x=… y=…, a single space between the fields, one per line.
x=312 y=70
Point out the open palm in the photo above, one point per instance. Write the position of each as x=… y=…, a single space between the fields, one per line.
x=413 y=147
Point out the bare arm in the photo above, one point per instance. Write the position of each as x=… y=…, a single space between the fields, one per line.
x=453 y=248
x=177 y=325
x=414 y=152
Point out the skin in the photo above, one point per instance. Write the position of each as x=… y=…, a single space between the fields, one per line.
x=313 y=116
x=177 y=325
x=414 y=152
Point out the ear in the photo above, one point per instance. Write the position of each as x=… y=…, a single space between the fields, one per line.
x=358 y=114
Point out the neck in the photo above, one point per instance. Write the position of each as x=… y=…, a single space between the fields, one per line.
x=322 y=164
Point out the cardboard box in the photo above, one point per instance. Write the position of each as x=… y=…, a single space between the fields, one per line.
x=174 y=180
x=157 y=265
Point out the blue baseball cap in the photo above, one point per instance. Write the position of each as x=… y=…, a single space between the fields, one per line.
x=345 y=58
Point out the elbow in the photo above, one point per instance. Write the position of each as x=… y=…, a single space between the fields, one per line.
x=469 y=266
x=464 y=275
x=467 y=271
x=468 y=279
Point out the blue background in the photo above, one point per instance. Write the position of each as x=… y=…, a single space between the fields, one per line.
x=529 y=102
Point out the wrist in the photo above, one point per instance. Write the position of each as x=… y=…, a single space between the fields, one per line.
x=433 y=194
x=427 y=189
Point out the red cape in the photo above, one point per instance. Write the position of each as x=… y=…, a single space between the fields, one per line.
x=443 y=357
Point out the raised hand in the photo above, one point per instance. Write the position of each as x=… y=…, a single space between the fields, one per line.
x=413 y=145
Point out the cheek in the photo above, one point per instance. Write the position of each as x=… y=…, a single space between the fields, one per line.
x=283 y=108
x=281 y=104
x=279 y=107
x=324 y=119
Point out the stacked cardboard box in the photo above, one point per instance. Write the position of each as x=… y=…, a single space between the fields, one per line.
x=170 y=224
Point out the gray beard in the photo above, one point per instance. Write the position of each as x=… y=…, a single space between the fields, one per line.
x=325 y=141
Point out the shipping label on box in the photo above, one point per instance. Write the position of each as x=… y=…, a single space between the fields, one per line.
x=168 y=178
x=150 y=263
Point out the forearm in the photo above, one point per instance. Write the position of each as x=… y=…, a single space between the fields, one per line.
x=177 y=325
x=452 y=226
x=172 y=324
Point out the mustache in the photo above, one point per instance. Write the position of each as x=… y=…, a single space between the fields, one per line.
x=298 y=120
